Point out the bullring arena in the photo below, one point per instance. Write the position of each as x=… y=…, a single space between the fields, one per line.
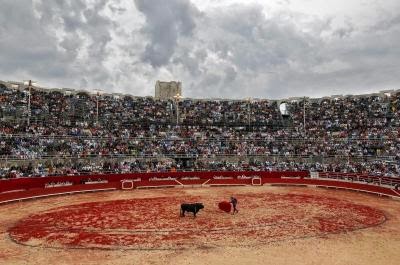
x=284 y=218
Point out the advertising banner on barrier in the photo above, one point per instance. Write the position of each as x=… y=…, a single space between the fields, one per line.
x=15 y=189
x=194 y=177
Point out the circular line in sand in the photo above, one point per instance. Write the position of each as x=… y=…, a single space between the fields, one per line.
x=154 y=223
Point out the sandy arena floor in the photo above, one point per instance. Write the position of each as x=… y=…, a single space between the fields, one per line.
x=275 y=225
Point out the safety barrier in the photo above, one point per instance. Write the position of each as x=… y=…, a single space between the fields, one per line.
x=30 y=188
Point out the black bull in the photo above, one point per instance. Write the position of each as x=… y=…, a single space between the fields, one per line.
x=191 y=207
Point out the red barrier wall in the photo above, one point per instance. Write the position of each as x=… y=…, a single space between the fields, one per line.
x=361 y=177
x=40 y=182
x=336 y=184
x=22 y=188
x=42 y=192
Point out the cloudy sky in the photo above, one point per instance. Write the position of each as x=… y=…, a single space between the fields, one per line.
x=217 y=48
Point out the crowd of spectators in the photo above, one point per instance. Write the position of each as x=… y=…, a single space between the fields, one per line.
x=22 y=147
x=69 y=168
x=145 y=134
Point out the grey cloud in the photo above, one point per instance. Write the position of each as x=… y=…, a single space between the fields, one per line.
x=345 y=31
x=72 y=43
x=26 y=48
x=116 y=7
x=386 y=24
x=350 y=59
x=166 y=21
x=85 y=36
x=31 y=46
x=208 y=81
x=230 y=74
x=77 y=16
x=231 y=52
x=247 y=49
